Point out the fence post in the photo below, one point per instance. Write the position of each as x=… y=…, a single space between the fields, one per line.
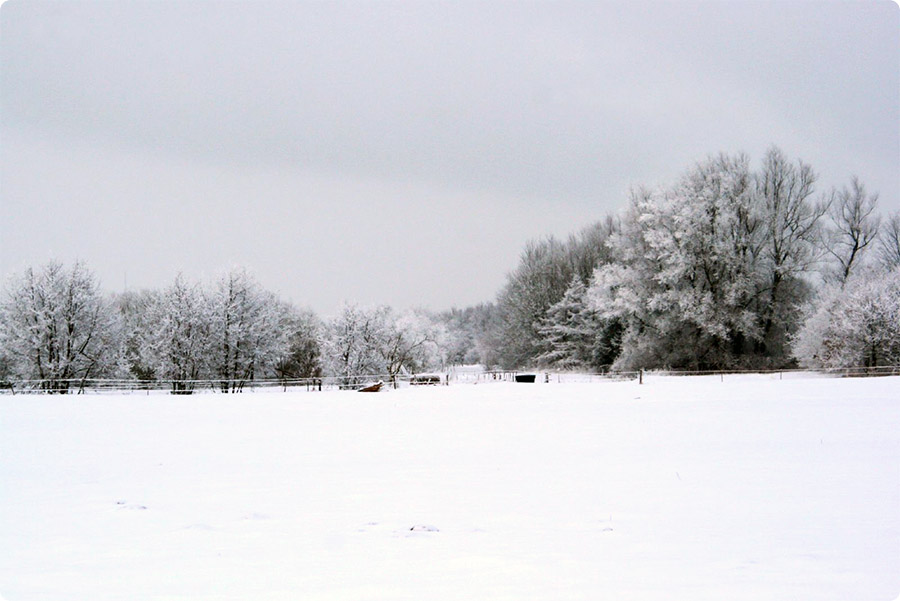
x=641 y=377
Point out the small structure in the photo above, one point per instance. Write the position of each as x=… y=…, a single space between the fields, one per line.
x=376 y=387
x=425 y=380
x=528 y=378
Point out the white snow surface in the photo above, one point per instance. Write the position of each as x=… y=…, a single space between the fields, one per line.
x=680 y=488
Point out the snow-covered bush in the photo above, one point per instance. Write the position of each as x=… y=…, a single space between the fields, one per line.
x=857 y=326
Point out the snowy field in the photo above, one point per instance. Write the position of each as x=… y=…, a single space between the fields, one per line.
x=681 y=488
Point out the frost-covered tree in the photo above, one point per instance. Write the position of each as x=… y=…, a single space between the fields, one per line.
x=575 y=335
x=411 y=341
x=369 y=341
x=56 y=327
x=489 y=343
x=177 y=345
x=246 y=329
x=464 y=327
x=303 y=356
x=539 y=281
x=710 y=272
x=687 y=271
x=854 y=227
x=133 y=308
x=6 y=367
x=353 y=342
x=590 y=247
x=854 y=326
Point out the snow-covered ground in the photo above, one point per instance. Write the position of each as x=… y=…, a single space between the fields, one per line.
x=680 y=488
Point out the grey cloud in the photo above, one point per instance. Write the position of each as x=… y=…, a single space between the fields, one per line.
x=550 y=109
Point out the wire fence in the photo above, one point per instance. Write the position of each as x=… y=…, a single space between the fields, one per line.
x=376 y=382
x=223 y=386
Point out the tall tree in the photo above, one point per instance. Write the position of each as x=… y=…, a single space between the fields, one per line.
x=792 y=246
x=540 y=280
x=686 y=276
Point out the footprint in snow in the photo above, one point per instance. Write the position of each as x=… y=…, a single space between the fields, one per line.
x=365 y=527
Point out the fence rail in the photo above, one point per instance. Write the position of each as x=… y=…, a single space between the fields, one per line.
x=850 y=372
x=100 y=385
x=173 y=386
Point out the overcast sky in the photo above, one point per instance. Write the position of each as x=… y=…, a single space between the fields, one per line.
x=403 y=152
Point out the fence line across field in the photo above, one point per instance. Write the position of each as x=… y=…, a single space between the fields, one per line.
x=190 y=386
x=452 y=376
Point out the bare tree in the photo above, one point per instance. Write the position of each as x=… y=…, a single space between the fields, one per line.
x=792 y=246
x=854 y=227
x=889 y=243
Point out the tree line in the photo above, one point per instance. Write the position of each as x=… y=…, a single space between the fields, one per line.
x=729 y=267
x=57 y=328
